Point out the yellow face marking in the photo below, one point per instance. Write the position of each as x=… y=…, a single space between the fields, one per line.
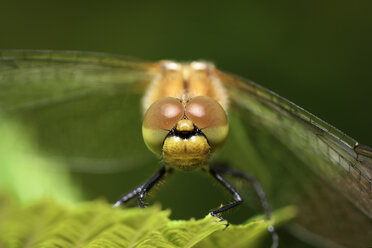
x=186 y=152
x=184 y=125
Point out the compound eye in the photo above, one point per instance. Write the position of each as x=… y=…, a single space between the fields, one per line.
x=209 y=116
x=159 y=119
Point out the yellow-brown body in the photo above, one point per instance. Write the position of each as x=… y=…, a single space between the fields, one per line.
x=185 y=114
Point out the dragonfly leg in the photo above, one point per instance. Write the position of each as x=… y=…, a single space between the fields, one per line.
x=260 y=193
x=238 y=199
x=149 y=184
x=141 y=190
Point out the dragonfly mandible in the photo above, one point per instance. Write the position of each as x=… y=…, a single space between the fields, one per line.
x=325 y=160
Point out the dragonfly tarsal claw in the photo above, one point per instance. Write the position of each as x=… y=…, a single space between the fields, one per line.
x=214 y=214
x=140 y=202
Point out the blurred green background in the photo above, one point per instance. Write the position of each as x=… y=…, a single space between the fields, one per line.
x=315 y=53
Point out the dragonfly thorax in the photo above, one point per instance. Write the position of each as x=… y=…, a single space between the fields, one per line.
x=185 y=81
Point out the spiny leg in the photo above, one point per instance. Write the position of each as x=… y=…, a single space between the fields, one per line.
x=260 y=193
x=142 y=189
x=238 y=199
x=149 y=184
x=128 y=196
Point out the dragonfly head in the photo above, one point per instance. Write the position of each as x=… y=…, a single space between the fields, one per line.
x=185 y=133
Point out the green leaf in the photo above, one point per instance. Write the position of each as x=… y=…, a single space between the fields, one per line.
x=96 y=224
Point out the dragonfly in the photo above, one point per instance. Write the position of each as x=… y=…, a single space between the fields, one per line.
x=84 y=107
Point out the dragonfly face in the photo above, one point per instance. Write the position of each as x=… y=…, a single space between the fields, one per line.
x=184 y=122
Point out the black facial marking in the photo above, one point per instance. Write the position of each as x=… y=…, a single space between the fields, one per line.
x=185 y=134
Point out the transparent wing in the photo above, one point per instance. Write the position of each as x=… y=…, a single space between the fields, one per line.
x=83 y=107
x=48 y=77
x=336 y=158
